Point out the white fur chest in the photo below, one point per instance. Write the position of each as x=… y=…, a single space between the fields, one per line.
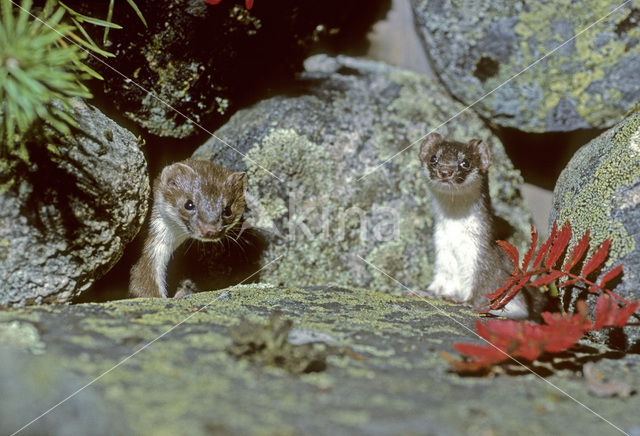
x=456 y=259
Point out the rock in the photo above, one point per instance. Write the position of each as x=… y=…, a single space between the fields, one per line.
x=32 y=385
x=204 y=61
x=386 y=375
x=306 y=153
x=599 y=190
x=65 y=218
x=589 y=82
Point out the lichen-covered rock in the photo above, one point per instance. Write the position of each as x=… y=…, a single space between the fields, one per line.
x=66 y=217
x=589 y=82
x=315 y=188
x=599 y=190
x=203 y=61
x=384 y=376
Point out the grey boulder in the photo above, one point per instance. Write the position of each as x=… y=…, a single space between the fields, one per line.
x=66 y=217
x=493 y=47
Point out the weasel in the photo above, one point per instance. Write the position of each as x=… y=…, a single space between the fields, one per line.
x=191 y=199
x=468 y=262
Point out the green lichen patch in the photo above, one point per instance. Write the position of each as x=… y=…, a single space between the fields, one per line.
x=528 y=67
x=598 y=191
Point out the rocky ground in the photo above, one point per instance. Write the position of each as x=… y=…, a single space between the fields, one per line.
x=352 y=362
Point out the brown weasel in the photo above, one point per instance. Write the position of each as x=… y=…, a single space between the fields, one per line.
x=468 y=262
x=191 y=199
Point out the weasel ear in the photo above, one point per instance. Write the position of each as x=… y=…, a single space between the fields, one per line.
x=432 y=140
x=237 y=180
x=483 y=151
x=171 y=173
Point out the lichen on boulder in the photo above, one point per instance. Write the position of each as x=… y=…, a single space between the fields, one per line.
x=599 y=191
x=319 y=186
x=493 y=54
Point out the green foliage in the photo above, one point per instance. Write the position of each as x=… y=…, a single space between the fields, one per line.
x=41 y=67
x=39 y=74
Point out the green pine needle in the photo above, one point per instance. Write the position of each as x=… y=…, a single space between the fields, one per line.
x=37 y=69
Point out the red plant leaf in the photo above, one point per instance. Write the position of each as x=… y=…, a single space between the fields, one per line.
x=248 y=4
x=578 y=251
x=518 y=339
x=596 y=260
x=609 y=314
x=467 y=366
x=500 y=301
x=500 y=292
x=212 y=2
x=625 y=313
x=532 y=247
x=512 y=252
x=606 y=310
x=542 y=251
x=546 y=279
x=610 y=275
x=569 y=282
x=479 y=352
x=559 y=246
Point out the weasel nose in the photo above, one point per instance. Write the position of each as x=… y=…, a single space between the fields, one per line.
x=209 y=231
x=445 y=172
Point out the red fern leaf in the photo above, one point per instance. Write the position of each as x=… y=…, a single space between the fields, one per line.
x=523 y=281
x=507 y=295
x=512 y=252
x=542 y=251
x=610 y=275
x=596 y=260
x=532 y=247
x=606 y=310
x=548 y=278
x=609 y=314
x=560 y=243
x=511 y=281
x=625 y=313
x=578 y=251
x=569 y=282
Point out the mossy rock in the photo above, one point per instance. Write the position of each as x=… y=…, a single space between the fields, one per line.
x=181 y=369
x=599 y=191
x=589 y=82
x=317 y=188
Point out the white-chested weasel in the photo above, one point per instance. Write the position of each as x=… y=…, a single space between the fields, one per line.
x=191 y=199
x=468 y=261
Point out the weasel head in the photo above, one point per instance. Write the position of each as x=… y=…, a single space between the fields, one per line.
x=454 y=167
x=200 y=199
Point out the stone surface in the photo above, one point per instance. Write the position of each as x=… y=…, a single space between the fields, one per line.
x=65 y=218
x=31 y=385
x=590 y=82
x=599 y=190
x=205 y=61
x=343 y=118
x=383 y=376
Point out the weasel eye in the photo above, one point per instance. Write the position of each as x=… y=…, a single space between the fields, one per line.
x=464 y=164
x=227 y=212
x=433 y=159
x=188 y=205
